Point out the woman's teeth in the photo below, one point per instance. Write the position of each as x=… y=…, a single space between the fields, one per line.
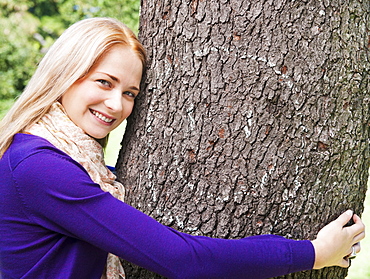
x=102 y=117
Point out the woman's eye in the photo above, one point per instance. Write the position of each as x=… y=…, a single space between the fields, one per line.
x=130 y=94
x=104 y=82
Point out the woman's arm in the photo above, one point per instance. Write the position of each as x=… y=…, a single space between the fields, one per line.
x=60 y=197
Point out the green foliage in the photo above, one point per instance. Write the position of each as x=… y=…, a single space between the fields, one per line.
x=29 y=27
x=17 y=49
x=125 y=10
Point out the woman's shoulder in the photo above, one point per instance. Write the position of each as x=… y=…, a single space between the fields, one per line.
x=27 y=141
x=26 y=145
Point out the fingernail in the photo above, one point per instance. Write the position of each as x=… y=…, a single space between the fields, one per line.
x=349 y=212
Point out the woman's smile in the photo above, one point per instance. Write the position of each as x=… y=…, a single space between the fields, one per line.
x=105 y=119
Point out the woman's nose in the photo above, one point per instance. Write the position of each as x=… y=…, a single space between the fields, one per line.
x=114 y=101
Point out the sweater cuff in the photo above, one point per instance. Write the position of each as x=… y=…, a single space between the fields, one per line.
x=303 y=255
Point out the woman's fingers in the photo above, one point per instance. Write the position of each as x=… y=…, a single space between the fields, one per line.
x=359 y=222
x=359 y=237
x=357 y=229
x=352 y=252
x=345 y=217
x=345 y=263
x=357 y=247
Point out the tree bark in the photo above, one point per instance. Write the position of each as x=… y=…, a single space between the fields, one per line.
x=254 y=118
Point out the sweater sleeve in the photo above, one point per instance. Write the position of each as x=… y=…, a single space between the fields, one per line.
x=60 y=196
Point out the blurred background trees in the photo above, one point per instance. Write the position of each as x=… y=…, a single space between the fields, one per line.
x=29 y=27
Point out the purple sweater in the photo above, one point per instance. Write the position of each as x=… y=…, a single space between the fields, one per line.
x=55 y=222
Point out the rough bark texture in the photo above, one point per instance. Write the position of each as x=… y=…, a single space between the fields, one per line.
x=254 y=118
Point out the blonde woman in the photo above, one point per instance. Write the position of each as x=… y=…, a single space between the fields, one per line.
x=62 y=213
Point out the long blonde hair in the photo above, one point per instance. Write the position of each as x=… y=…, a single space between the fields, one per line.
x=70 y=58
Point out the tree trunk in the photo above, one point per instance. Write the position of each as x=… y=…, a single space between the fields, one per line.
x=254 y=118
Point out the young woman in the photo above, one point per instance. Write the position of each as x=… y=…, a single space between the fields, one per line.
x=61 y=210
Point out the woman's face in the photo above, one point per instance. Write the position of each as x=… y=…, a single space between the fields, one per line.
x=101 y=100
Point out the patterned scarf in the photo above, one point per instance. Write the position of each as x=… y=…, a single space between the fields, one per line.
x=58 y=129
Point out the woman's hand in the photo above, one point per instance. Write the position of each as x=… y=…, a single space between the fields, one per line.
x=334 y=242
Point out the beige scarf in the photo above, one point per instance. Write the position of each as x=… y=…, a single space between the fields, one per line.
x=58 y=129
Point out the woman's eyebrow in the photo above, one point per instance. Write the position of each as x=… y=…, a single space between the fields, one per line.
x=116 y=79
x=134 y=88
x=109 y=75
